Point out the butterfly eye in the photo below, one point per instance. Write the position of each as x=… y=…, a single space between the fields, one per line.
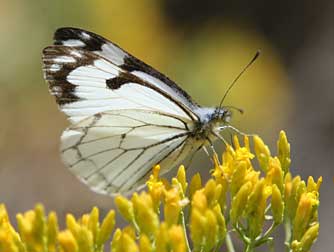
x=227 y=115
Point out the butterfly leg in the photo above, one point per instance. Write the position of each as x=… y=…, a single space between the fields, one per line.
x=208 y=154
x=215 y=159
x=206 y=151
x=221 y=138
x=238 y=131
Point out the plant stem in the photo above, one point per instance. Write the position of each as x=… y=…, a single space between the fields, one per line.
x=185 y=230
x=229 y=243
x=136 y=227
x=249 y=248
x=287 y=229
x=266 y=236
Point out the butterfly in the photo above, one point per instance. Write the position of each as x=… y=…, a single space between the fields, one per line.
x=125 y=116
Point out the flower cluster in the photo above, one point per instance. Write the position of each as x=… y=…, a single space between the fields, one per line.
x=237 y=198
x=40 y=233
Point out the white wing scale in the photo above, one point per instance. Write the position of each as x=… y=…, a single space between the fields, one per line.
x=113 y=151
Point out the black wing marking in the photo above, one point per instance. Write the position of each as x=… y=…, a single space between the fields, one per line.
x=90 y=41
x=85 y=83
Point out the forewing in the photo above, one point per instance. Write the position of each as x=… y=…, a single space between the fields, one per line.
x=114 y=151
x=90 y=41
x=84 y=84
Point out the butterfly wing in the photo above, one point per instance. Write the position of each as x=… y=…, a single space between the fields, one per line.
x=88 y=74
x=95 y=81
x=114 y=151
x=92 y=42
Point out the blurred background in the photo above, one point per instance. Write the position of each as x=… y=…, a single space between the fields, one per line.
x=202 y=45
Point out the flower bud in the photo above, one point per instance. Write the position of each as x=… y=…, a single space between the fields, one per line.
x=93 y=222
x=195 y=184
x=239 y=202
x=125 y=208
x=172 y=207
x=309 y=238
x=107 y=226
x=67 y=241
x=145 y=244
x=238 y=177
x=262 y=153
x=304 y=213
x=277 y=205
x=145 y=215
x=283 y=147
x=181 y=177
x=52 y=231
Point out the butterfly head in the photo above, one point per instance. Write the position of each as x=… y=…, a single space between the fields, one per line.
x=215 y=119
x=212 y=119
x=222 y=115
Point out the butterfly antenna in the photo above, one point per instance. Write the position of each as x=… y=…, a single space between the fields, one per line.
x=241 y=111
x=239 y=75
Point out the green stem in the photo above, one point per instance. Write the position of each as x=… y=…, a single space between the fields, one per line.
x=136 y=227
x=242 y=235
x=268 y=208
x=249 y=248
x=271 y=244
x=229 y=243
x=183 y=223
x=266 y=236
x=288 y=235
x=218 y=246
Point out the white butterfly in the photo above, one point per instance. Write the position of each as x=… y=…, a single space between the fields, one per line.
x=126 y=116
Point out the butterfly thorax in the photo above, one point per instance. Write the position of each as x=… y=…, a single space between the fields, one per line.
x=210 y=121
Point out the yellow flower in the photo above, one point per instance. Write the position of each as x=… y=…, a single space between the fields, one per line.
x=283 y=147
x=312 y=186
x=123 y=242
x=304 y=213
x=107 y=227
x=145 y=244
x=274 y=173
x=172 y=206
x=181 y=177
x=176 y=237
x=262 y=153
x=239 y=202
x=155 y=187
x=199 y=201
x=277 y=205
x=212 y=192
x=145 y=216
x=221 y=179
x=195 y=184
x=67 y=241
x=309 y=238
x=293 y=202
x=170 y=239
x=93 y=222
x=207 y=224
x=125 y=207
x=255 y=208
x=197 y=232
x=32 y=228
x=238 y=177
x=10 y=240
x=52 y=231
